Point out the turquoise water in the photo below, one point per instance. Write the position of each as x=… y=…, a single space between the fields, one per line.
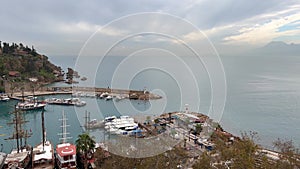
x=263 y=95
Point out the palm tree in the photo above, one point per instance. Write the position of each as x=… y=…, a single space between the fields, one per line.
x=85 y=145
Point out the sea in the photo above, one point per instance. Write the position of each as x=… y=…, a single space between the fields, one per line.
x=262 y=95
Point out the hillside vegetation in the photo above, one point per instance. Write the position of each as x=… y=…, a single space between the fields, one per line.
x=27 y=62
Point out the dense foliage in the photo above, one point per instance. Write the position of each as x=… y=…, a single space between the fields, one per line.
x=26 y=61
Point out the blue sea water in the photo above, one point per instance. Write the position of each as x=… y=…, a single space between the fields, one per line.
x=263 y=95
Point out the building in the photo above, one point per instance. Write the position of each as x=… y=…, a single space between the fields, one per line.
x=14 y=73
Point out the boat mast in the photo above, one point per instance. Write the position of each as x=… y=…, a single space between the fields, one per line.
x=33 y=94
x=18 y=133
x=43 y=129
x=64 y=129
x=87 y=120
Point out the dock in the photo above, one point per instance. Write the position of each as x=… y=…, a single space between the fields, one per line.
x=130 y=94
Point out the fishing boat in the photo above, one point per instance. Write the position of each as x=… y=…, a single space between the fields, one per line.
x=43 y=153
x=65 y=152
x=21 y=156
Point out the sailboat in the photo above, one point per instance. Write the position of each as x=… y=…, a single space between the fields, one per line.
x=65 y=152
x=43 y=153
x=19 y=158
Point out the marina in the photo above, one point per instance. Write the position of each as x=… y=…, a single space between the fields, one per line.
x=153 y=84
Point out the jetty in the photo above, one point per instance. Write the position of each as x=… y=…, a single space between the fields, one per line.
x=129 y=94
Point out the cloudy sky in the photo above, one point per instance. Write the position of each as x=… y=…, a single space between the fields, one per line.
x=62 y=27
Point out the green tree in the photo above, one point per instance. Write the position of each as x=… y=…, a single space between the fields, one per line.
x=289 y=157
x=5 y=47
x=245 y=150
x=204 y=162
x=85 y=145
x=198 y=128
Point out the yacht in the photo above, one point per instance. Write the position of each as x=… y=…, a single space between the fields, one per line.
x=30 y=106
x=122 y=125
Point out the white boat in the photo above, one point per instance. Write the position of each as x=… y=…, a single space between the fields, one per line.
x=66 y=102
x=108 y=97
x=43 y=153
x=43 y=156
x=121 y=125
x=30 y=106
x=80 y=103
x=104 y=95
x=119 y=97
x=4 y=97
x=92 y=95
x=110 y=118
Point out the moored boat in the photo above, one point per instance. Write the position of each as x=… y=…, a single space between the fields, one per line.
x=66 y=102
x=21 y=156
x=43 y=153
x=43 y=156
x=121 y=126
x=65 y=152
x=108 y=98
x=17 y=159
x=30 y=106
x=4 y=97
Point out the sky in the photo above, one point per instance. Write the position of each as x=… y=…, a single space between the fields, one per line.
x=63 y=27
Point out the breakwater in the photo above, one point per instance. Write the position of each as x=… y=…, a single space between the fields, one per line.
x=130 y=94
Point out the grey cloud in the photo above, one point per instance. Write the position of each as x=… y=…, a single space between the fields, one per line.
x=36 y=22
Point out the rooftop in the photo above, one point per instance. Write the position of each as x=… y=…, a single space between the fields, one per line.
x=66 y=149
